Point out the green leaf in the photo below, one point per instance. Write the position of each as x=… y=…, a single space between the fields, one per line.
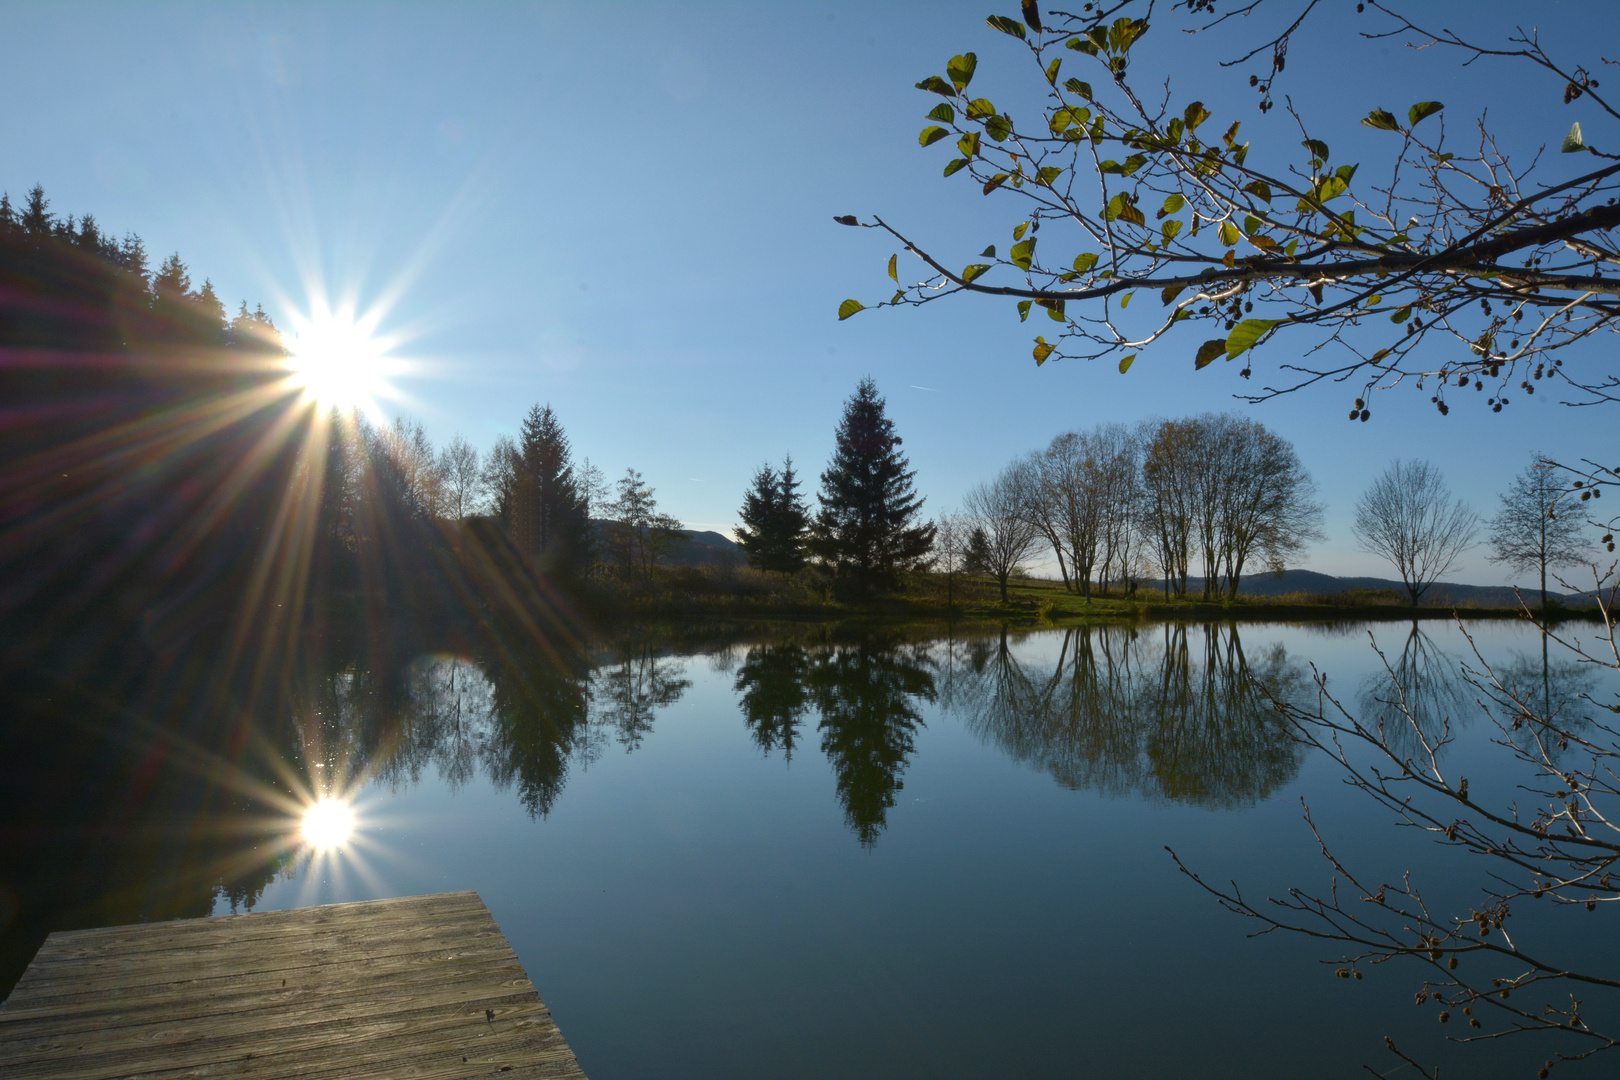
x=1173 y=204
x=1131 y=214
x=968 y=144
x=1252 y=224
x=971 y=272
x=1379 y=355
x=937 y=85
x=1042 y=351
x=994 y=182
x=1006 y=25
x=894 y=261
x=931 y=135
x=1023 y=310
x=1054 y=310
x=998 y=128
x=955 y=164
x=1259 y=189
x=979 y=108
x=1124 y=33
x=1082 y=45
x=1084 y=261
x=1196 y=114
x=1382 y=120
x=1421 y=111
x=848 y=308
x=1132 y=163
x=1573 y=143
x=942 y=111
x=1076 y=86
x=961 y=68
x=988 y=253
x=1402 y=315
x=1125 y=364
x=1047 y=175
x=1023 y=253
x=1125 y=301
x=1331 y=187
x=1020 y=229
x=1229 y=234
x=1208 y=351
x=1246 y=333
x=1168 y=295
x=1052 y=70
x=1176 y=129
x=1170 y=229
x=1318 y=149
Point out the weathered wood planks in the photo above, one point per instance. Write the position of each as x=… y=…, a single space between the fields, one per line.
x=424 y=987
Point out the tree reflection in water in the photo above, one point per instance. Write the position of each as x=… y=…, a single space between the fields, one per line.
x=631 y=690
x=1174 y=713
x=773 y=690
x=866 y=693
x=1431 y=684
x=524 y=721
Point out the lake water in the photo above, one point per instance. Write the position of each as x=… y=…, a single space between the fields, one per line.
x=835 y=854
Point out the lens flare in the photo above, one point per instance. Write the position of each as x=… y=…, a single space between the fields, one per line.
x=328 y=824
x=337 y=360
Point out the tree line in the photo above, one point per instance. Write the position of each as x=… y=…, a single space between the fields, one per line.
x=1114 y=503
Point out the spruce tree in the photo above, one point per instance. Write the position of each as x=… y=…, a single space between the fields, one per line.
x=792 y=523
x=868 y=501
x=758 y=512
x=546 y=512
x=775 y=521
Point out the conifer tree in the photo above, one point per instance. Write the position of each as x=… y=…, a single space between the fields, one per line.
x=546 y=513
x=775 y=521
x=868 y=501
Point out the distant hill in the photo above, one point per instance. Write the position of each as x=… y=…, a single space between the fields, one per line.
x=706 y=548
x=1440 y=594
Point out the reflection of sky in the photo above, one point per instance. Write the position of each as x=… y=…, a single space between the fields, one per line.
x=628 y=214
x=694 y=907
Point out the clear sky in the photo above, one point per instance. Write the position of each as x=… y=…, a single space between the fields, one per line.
x=626 y=210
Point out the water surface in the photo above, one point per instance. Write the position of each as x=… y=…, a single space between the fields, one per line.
x=820 y=853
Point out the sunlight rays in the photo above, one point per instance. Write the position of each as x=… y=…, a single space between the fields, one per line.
x=337 y=359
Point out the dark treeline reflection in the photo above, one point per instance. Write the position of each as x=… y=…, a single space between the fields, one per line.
x=866 y=694
x=1170 y=711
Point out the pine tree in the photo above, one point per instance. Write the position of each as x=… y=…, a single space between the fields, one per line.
x=775 y=521
x=547 y=514
x=868 y=501
x=754 y=535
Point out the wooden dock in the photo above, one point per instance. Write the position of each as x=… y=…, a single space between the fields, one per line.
x=424 y=987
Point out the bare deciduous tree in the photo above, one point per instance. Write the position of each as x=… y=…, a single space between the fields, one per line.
x=1409 y=517
x=461 y=477
x=1532 y=531
x=952 y=533
x=1000 y=509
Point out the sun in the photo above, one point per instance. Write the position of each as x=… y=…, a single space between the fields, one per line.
x=337 y=360
x=328 y=824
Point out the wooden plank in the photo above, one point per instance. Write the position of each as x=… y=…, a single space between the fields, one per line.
x=421 y=986
x=131 y=969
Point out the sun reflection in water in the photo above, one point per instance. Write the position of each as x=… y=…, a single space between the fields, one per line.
x=328 y=824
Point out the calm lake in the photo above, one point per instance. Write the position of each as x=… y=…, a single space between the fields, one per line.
x=829 y=854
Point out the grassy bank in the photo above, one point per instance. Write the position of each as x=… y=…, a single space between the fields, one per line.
x=747 y=594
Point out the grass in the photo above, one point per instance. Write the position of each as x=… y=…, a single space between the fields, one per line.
x=745 y=593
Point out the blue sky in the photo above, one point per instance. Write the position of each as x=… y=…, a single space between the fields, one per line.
x=626 y=211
